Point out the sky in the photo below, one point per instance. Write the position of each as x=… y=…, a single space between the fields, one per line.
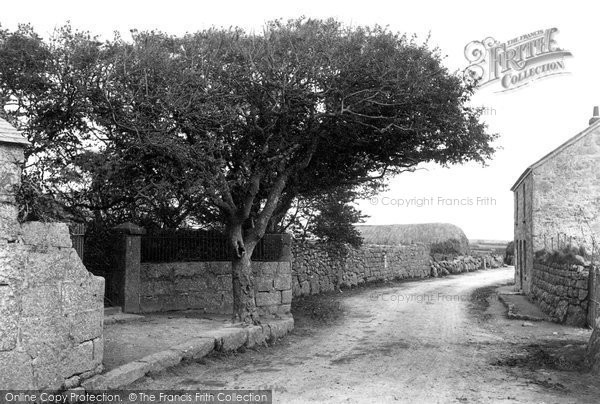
x=530 y=121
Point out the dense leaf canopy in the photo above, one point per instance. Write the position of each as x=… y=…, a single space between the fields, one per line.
x=229 y=127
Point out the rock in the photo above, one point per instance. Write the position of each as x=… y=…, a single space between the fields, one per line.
x=162 y=360
x=579 y=260
x=195 y=348
x=123 y=375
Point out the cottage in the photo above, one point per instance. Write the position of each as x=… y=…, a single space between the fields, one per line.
x=557 y=201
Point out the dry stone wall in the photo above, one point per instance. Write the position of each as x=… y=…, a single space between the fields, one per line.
x=320 y=267
x=562 y=291
x=448 y=265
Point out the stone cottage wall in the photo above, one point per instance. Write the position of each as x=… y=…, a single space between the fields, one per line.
x=51 y=307
x=523 y=233
x=593 y=348
x=566 y=192
x=562 y=291
x=208 y=286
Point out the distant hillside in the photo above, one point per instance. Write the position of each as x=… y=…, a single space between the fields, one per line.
x=486 y=246
x=427 y=233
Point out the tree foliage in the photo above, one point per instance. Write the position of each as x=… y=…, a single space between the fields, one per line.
x=233 y=128
x=328 y=217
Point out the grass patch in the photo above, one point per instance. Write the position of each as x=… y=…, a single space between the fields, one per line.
x=480 y=302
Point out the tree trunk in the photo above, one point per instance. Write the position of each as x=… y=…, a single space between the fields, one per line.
x=244 y=303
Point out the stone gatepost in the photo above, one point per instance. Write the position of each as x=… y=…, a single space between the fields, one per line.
x=51 y=307
x=12 y=145
x=126 y=276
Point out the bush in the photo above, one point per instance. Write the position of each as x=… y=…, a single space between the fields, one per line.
x=568 y=255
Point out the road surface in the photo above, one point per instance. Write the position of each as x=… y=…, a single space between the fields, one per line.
x=427 y=341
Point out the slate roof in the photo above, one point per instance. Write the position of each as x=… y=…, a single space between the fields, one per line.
x=8 y=134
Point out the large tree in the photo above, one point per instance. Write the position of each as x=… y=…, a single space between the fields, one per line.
x=237 y=126
x=305 y=106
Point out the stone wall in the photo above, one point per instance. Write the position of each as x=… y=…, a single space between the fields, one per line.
x=11 y=156
x=523 y=233
x=566 y=192
x=186 y=285
x=51 y=307
x=319 y=267
x=449 y=265
x=51 y=311
x=561 y=291
x=208 y=286
x=593 y=348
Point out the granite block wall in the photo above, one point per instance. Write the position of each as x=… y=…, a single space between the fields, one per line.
x=51 y=307
x=11 y=157
x=51 y=311
x=186 y=285
x=208 y=286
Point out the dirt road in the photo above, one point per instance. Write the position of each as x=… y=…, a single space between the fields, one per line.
x=433 y=341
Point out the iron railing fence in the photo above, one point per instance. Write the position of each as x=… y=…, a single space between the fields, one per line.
x=184 y=246
x=560 y=241
x=77 y=231
x=587 y=246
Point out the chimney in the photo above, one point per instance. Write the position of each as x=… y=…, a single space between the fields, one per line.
x=596 y=116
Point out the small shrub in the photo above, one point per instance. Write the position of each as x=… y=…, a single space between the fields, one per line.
x=568 y=255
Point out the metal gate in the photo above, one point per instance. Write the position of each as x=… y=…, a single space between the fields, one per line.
x=78 y=237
